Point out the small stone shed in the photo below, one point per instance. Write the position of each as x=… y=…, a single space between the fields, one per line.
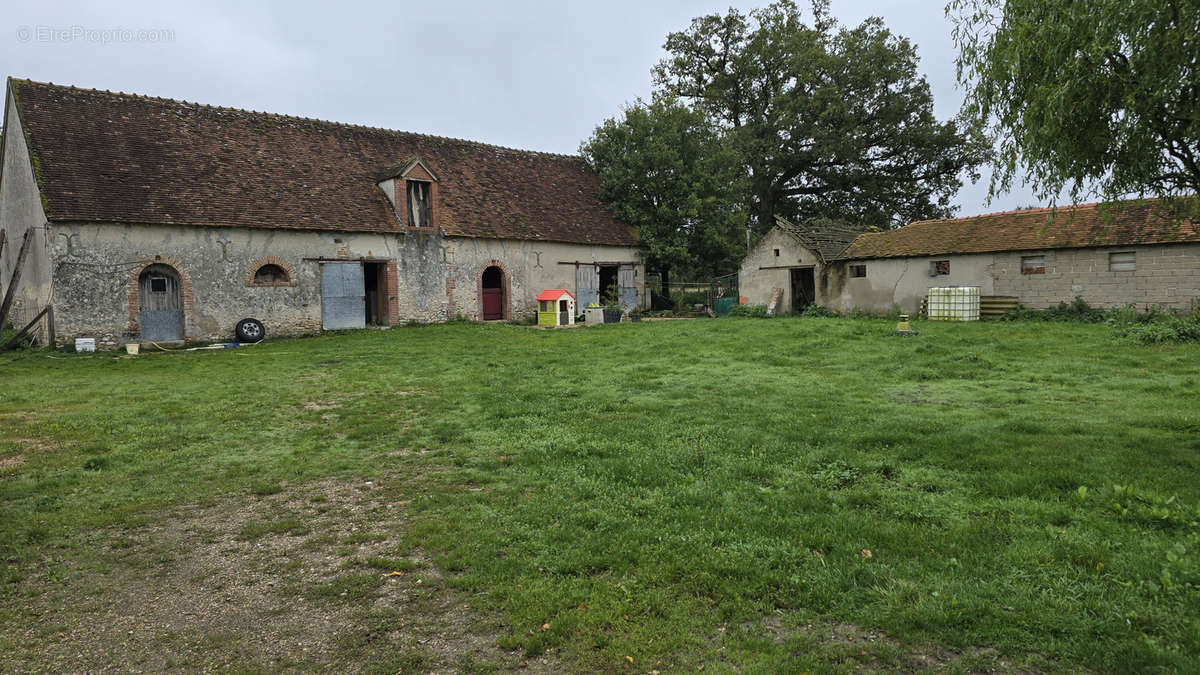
x=1134 y=252
x=799 y=265
x=167 y=220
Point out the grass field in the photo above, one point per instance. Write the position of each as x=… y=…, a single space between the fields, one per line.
x=793 y=494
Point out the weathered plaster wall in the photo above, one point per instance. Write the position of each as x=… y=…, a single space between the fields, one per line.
x=534 y=266
x=93 y=278
x=21 y=208
x=756 y=283
x=436 y=277
x=903 y=282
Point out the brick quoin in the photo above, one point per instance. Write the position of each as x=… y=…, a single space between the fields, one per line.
x=392 y=288
x=185 y=290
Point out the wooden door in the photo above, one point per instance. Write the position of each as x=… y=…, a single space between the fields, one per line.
x=493 y=304
x=587 y=285
x=160 y=306
x=627 y=286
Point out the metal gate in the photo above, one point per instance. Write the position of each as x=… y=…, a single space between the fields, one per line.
x=343 y=296
x=160 y=309
x=724 y=294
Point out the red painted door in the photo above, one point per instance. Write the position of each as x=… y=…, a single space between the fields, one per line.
x=493 y=307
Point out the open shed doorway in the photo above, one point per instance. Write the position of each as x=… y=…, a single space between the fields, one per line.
x=374 y=275
x=804 y=290
x=609 y=288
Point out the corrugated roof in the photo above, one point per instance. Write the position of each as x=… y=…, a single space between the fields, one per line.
x=1126 y=224
x=117 y=157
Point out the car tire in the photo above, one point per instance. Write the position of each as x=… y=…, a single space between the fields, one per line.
x=250 y=330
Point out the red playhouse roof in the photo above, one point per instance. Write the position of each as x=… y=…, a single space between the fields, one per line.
x=554 y=294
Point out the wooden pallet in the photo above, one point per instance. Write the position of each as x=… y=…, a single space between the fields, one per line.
x=996 y=305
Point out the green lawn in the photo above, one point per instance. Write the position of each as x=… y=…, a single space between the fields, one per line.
x=804 y=494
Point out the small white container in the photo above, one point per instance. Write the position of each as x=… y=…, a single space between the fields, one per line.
x=131 y=348
x=85 y=344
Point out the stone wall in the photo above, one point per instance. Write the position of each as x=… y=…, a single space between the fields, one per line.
x=769 y=266
x=428 y=277
x=21 y=208
x=531 y=266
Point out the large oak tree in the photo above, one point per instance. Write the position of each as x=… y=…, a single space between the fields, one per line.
x=828 y=121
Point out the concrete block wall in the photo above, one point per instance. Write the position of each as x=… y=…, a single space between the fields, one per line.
x=1166 y=275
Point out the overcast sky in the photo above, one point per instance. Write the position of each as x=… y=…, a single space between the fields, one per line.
x=524 y=74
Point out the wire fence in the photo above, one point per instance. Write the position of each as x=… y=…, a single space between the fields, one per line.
x=692 y=296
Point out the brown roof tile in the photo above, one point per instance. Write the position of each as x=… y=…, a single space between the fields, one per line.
x=1128 y=223
x=133 y=159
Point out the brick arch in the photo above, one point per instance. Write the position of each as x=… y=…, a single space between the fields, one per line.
x=272 y=260
x=505 y=285
x=185 y=290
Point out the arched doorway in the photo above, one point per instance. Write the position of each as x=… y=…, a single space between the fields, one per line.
x=160 y=304
x=491 y=293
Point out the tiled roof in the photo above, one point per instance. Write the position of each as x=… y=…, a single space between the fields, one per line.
x=827 y=238
x=133 y=159
x=1126 y=224
x=554 y=294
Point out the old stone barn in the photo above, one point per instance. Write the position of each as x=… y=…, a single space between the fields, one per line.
x=159 y=220
x=1135 y=253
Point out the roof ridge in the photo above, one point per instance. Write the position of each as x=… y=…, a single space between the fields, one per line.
x=334 y=123
x=1011 y=212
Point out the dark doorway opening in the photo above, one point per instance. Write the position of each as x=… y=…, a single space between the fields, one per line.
x=376 y=293
x=492 y=291
x=804 y=290
x=608 y=283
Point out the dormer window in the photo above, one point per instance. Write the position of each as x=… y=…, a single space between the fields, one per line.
x=420 y=207
x=412 y=189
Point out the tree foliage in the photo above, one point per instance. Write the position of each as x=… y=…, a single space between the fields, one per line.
x=1096 y=97
x=666 y=170
x=828 y=121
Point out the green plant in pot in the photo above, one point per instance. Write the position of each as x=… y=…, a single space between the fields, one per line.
x=636 y=313
x=612 y=308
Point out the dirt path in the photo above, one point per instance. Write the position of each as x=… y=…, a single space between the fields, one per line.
x=312 y=578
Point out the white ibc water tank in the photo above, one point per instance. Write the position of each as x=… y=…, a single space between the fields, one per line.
x=953 y=303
